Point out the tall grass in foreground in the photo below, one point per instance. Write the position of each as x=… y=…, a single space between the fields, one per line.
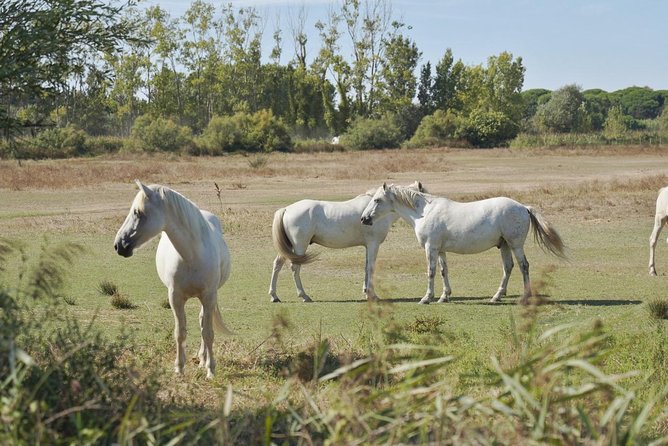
x=555 y=394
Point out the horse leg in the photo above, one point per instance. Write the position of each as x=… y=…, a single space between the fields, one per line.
x=201 y=354
x=447 y=291
x=177 y=302
x=432 y=254
x=298 y=283
x=524 y=267
x=658 y=225
x=278 y=264
x=206 y=312
x=369 y=269
x=507 y=258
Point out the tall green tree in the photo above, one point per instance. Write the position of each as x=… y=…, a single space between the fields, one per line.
x=44 y=42
x=425 y=92
x=564 y=112
x=398 y=81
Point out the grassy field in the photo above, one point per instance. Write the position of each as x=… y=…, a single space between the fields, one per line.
x=601 y=201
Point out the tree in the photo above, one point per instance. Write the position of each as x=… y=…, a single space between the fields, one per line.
x=397 y=73
x=425 y=93
x=44 y=42
x=504 y=78
x=639 y=102
x=564 y=112
x=616 y=124
x=531 y=100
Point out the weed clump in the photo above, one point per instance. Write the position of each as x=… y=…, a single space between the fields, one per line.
x=658 y=308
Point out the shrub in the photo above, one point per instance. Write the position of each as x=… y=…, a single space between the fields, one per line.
x=371 y=134
x=435 y=130
x=658 y=308
x=122 y=302
x=100 y=145
x=488 y=129
x=260 y=131
x=59 y=142
x=152 y=134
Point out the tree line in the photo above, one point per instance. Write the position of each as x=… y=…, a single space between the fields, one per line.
x=82 y=68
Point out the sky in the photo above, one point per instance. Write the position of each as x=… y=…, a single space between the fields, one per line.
x=607 y=44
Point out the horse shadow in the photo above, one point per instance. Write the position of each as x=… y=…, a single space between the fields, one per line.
x=507 y=300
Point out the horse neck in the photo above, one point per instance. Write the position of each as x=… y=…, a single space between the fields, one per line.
x=408 y=214
x=183 y=226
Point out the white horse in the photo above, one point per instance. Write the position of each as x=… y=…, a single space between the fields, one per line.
x=192 y=260
x=332 y=224
x=660 y=219
x=442 y=225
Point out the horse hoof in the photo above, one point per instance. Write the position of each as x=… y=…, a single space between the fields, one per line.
x=275 y=300
x=307 y=300
x=443 y=300
x=424 y=302
x=495 y=300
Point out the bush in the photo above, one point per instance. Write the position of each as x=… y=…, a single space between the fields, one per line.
x=152 y=134
x=100 y=145
x=371 y=134
x=260 y=131
x=59 y=142
x=488 y=129
x=435 y=130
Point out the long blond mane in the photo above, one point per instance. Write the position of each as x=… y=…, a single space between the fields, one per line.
x=187 y=212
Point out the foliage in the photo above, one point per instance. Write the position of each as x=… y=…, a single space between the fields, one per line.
x=435 y=130
x=260 y=131
x=60 y=142
x=639 y=102
x=399 y=394
x=366 y=134
x=617 y=123
x=563 y=113
x=43 y=43
x=488 y=129
x=152 y=134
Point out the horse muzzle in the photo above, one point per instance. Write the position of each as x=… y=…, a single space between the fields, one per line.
x=123 y=249
x=366 y=220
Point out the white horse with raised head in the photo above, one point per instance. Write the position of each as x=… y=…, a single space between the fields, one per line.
x=443 y=225
x=331 y=224
x=192 y=260
x=660 y=219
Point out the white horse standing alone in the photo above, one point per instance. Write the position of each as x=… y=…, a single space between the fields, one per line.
x=192 y=259
x=443 y=225
x=660 y=219
x=331 y=224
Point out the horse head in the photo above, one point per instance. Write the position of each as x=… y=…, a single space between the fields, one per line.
x=144 y=221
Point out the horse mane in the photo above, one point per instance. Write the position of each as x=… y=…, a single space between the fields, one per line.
x=407 y=196
x=187 y=212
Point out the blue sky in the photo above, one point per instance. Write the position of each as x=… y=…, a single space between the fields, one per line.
x=608 y=44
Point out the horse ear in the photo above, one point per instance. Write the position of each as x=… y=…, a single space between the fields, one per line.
x=384 y=186
x=143 y=188
x=420 y=188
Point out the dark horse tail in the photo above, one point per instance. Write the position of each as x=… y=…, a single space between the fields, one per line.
x=546 y=235
x=283 y=244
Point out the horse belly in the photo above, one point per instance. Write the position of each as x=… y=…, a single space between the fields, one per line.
x=176 y=273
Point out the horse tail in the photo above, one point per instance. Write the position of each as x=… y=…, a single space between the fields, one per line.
x=218 y=322
x=546 y=235
x=283 y=244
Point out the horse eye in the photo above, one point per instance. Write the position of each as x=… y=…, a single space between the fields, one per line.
x=377 y=200
x=137 y=213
